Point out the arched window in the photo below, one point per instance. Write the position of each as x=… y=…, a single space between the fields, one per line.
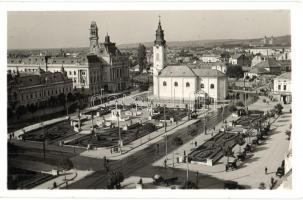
x=187 y=84
x=176 y=84
x=202 y=85
x=164 y=83
x=212 y=86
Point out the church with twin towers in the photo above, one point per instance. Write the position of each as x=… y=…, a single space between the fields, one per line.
x=183 y=83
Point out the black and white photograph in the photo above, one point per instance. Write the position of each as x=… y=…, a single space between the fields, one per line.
x=177 y=100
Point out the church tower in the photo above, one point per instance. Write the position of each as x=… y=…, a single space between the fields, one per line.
x=159 y=57
x=93 y=38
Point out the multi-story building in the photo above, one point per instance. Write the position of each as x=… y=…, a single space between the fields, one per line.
x=104 y=67
x=282 y=87
x=37 y=88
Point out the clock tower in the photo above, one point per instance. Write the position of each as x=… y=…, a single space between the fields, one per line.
x=93 y=38
x=159 y=57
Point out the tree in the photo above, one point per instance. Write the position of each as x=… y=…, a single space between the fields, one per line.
x=234 y=71
x=141 y=57
x=21 y=110
x=9 y=113
x=70 y=97
x=240 y=104
x=288 y=133
x=278 y=108
x=32 y=108
x=61 y=99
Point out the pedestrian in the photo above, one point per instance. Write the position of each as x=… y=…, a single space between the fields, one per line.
x=266 y=170
x=55 y=185
x=272 y=181
x=196 y=143
x=165 y=162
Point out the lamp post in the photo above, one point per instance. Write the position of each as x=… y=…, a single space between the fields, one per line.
x=244 y=93
x=174 y=98
x=187 y=172
x=120 y=141
x=102 y=91
x=44 y=138
x=204 y=114
x=165 y=132
x=66 y=104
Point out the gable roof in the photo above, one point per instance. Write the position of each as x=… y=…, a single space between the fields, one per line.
x=286 y=75
x=269 y=63
x=186 y=71
x=177 y=71
x=208 y=73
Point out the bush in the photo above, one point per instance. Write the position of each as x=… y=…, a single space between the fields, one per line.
x=240 y=104
x=262 y=186
x=232 y=108
x=278 y=108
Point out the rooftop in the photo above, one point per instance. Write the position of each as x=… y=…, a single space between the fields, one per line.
x=186 y=71
x=286 y=75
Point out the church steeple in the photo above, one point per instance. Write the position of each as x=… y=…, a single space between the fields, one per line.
x=160 y=35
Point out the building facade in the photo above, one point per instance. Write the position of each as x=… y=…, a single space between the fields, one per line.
x=35 y=89
x=104 y=67
x=240 y=59
x=282 y=88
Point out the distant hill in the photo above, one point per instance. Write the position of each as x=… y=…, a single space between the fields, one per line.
x=280 y=40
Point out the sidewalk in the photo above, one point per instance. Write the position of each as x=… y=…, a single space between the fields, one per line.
x=250 y=172
x=63 y=180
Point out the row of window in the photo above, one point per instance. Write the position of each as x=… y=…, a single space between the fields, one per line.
x=35 y=95
x=212 y=86
x=279 y=87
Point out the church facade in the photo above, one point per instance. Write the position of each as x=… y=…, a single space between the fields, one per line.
x=181 y=82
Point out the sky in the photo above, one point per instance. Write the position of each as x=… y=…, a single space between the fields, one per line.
x=59 y=29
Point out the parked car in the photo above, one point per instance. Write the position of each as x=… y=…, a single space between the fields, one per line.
x=178 y=141
x=232 y=185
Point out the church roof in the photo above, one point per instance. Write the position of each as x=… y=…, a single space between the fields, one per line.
x=208 y=73
x=185 y=71
x=177 y=71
